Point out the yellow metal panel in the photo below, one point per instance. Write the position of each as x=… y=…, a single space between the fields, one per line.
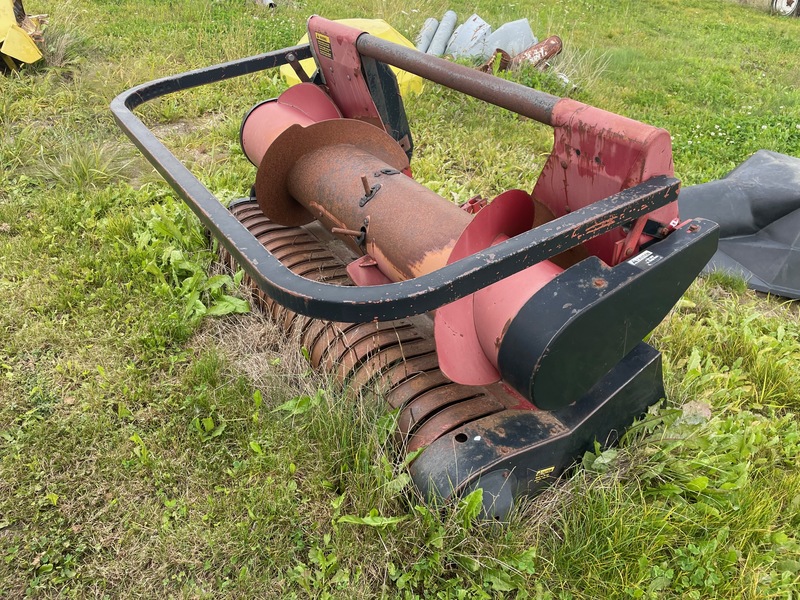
x=19 y=45
x=7 y=18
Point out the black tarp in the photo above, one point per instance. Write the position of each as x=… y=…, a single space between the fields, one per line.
x=757 y=206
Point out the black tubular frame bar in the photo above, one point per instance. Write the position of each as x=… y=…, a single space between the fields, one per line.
x=395 y=300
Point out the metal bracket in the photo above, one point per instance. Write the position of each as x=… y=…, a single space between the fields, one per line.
x=297 y=67
x=369 y=195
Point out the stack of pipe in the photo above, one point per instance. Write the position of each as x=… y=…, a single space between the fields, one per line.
x=474 y=38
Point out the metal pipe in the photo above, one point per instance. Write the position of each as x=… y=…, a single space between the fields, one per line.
x=410 y=230
x=483 y=86
x=427 y=33
x=442 y=34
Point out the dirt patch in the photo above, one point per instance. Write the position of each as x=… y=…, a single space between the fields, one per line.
x=259 y=349
x=184 y=127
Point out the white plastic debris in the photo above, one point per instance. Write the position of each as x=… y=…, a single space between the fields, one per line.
x=469 y=39
x=513 y=37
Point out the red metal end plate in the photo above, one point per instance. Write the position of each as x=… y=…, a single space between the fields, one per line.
x=296 y=141
x=461 y=356
x=302 y=104
x=596 y=154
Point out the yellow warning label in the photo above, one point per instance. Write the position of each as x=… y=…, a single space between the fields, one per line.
x=324 y=45
x=540 y=475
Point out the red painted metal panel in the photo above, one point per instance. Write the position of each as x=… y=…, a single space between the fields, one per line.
x=334 y=47
x=468 y=331
x=596 y=154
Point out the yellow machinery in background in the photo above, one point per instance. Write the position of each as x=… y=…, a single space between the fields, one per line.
x=18 y=35
x=408 y=82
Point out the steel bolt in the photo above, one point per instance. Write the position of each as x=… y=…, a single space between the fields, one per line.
x=343 y=231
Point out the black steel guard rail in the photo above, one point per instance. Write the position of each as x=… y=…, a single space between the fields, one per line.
x=395 y=300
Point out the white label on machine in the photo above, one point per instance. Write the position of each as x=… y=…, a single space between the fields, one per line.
x=645 y=259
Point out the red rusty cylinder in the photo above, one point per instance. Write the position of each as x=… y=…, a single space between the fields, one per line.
x=348 y=175
x=328 y=182
x=302 y=104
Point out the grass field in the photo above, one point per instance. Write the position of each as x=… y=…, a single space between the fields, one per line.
x=150 y=439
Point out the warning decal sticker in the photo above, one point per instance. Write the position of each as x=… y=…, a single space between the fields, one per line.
x=543 y=474
x=324 y=45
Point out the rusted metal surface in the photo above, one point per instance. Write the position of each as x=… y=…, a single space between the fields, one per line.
x=302 y=104
x=350 y=350
x=597 y=154
x=395 y=364
x=450 y=418
x=389 y=356
x=357 y=353
x=416 y=385
x=327 y=337
x=328 y=182
x=299 y=248
x=506 y=94
x=334 y=346
x=280 y=164
x=428 y=403
x=499 y=61
x=537 y=54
